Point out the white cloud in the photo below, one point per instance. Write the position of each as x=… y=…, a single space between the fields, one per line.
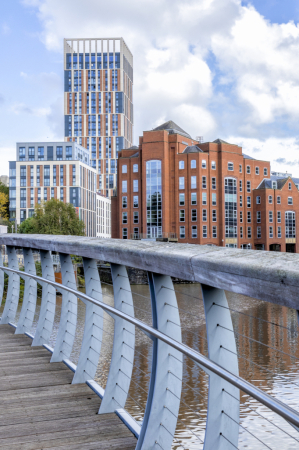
x=21 y=108
x=5 y=29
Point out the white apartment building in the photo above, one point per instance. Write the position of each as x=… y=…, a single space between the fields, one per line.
x=103 y=216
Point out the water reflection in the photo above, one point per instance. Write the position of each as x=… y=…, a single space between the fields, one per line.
x=275 y=372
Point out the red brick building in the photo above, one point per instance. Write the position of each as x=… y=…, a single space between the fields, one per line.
x=204 y=193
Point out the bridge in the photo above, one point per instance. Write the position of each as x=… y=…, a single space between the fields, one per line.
x=48 y=401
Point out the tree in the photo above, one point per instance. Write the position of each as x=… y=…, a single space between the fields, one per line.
x=3 y=206
x=53 y=217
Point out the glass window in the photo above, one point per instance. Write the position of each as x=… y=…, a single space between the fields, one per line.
x=249 y=217
x=193 y=182
x=135 y=185
x=230 y=166
x=214 y=230
x=204 y=198
x=22 y=153
x=182 y=215
x=214 y=215
x=248 y=184
x=270 y=232
x=135 y=168
x=204 y=182
x=248 y=202
x=194 y=231
x=181 y=182
x=213 y=165
x=125 y=217
x=181 y=164
x=290 y=186
x=258 y=216
x=124 y=186
x=193 y=215
x=230 y=185
x=204 y=215
x=193 y=198
x=154 y=198
x=125 y=202
x=182 y=199
x=213 y=183
x=135 y=217
x=258 y=200
x=257 y=170
x=259 y=232
x=240 y=186
x=278 y=200
x=290 y=224
x=193 y=164
x=241 y=232
x=240 y=168
x=249 y=232
x=182 y=232
x=214 y=202
x=31 y=153
x=279 y=216
x=241 y=201
x=279 y=232
x=124 y=168
x=241 y=216
x=204 y=231
x=204 y=164
x=274 y=185
x=271 y=216
x=290 y=200
x=125 y=233
x=59 y=153
x=135 y=201
x=247 y=169
x=270 y=199
x=69 y=152
x=265 y=171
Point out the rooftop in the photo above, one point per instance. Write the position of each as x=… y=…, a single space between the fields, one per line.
x=172 y=128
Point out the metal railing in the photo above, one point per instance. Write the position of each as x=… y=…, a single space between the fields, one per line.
x=269 y=277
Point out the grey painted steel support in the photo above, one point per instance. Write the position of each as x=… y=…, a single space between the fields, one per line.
x=13 y=290
x=30 y=295
x=164 y=395
x=223 y=411
x=1 y=277
x=68 y=317
x=93 y=329
x=122 y=359
x=47 y=310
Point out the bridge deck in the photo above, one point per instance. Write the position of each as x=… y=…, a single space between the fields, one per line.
x=41 y=409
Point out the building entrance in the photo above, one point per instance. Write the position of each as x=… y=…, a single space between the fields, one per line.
x=291 y=248
x=275 y=248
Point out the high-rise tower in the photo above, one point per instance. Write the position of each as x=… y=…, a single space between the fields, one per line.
x=98 y=102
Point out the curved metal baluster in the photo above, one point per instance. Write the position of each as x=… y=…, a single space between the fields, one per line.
x=68 y=318
x=1 y=276
x=218 y=401
x=93 y=329
x=122 y=359
x=13 y=290
x=47 y=309
x=30 y=295
x=163 y=402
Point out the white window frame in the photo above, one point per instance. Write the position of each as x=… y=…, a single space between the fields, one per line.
x=181 y=183
x=230 y=166
x=181 y=165
x=124 y=168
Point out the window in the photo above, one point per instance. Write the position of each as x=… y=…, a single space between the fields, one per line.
x=154 y=198
x=214 y=230
x=193 y=182
x=193 y=163
x=265 y=172
x=270 y=232
x=182 y=215
x=258 y=200
x=59 y=153
x=247 y=169
x=135 y=168
x=240 y=186
x=270 y=216
x=290 y=224
x=22 y=153
x=69 y=153
x=213 y=183
x=125 y=217
x=278 y=200
x=230 y=166
x=290 y=200
x=124 y=186
x=278 y=217
x=182 y=232
x=204 y=198
x=135 y=185
x=135 y=217
x=259 y=232
x=249 y=217
x=214 y=202
x=193 y=198
x=257 y=170
x=241 y=232
x=214 y=215
x=213 y=165
x=125 y=202
x=181 y=182
x=204 y=182
x=249 y=232
x=270 y=199
x=204 y=164
x=241 y=216
x=204 y=231
x=31 y=153
x=248 y=184
x=194 y=231
x=274 y=185
x=124 y=168
x=193 y=215
x=240 y=168
x=241 y=201
x=182 y=199
x=258 y=217
x=248 y=202
x=135 y=201
x=290 y=186
x=181 y=164
x=204 y=215
x=230 y=198
x=125 y=233
x=279 y=232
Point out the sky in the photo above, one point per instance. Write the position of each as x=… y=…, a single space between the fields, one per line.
x=218 y=68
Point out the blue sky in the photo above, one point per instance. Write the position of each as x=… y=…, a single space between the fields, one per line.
x=219 y=68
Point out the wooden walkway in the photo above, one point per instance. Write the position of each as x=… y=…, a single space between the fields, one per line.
x=41 y=409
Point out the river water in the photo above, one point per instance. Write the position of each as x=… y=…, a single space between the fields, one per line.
x=274 y=372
